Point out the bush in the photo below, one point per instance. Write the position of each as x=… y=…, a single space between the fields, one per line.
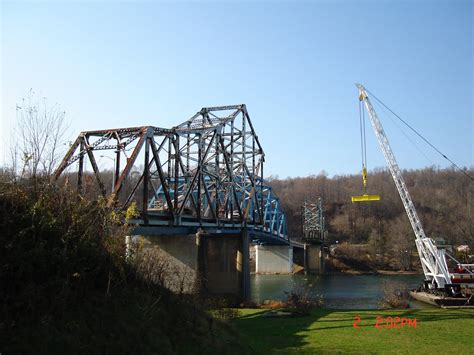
x=300 y=300
x=225 y=314
x=394 y=296
x=273 y=304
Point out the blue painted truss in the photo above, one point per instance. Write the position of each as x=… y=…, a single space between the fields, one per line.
x=263 y=227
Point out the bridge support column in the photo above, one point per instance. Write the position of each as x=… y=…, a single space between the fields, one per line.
x=208 y=264
x=298 y=258
x=245 y=274
x=273 y=259
x=201 y=262
x=314 y=258
x=306 y=268
x=223 y=265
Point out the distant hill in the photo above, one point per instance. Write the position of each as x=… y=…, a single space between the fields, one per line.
x=443 y=200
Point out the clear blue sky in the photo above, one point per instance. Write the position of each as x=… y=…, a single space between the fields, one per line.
x=293 y=63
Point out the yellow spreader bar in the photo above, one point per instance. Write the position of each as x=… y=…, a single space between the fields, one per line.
x=365 y=198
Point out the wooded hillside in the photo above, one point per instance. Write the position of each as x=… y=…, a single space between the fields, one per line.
x=443 y=199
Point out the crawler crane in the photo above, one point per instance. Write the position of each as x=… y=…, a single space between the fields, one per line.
x=433 y=260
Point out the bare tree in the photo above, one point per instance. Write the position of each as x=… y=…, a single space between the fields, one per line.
x=40 y=130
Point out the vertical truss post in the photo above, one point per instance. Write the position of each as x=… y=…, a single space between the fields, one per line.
x=176 y=175
x=231 y=167
x=199 y=178
x=170 y=159
x=218 y=178
x=262 y=206
x=80 y=171
x=146 y=177
x=244 y=163
x=254 y=175
x=188 y=152
x=188 y=141
x=117 y=166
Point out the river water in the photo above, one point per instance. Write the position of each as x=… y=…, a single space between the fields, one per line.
x=338 y=291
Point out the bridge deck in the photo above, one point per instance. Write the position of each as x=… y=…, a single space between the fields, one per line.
x=162 y=227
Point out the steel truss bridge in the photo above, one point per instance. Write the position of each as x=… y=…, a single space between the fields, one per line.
x=206 y=173
x=314 y=223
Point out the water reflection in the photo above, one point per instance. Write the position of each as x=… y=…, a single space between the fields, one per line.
x=338 y=291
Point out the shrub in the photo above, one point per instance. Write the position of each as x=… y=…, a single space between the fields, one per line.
x=394 y=296
x=273 y=304
x=301 y=300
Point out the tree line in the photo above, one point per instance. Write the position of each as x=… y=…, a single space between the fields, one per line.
x=442 y=198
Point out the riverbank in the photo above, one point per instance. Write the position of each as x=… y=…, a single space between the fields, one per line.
x=331 y=331
x=339 y=291
x=375 y=272
x=356 y=259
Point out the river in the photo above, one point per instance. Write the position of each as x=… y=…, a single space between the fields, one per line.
x=338 y=291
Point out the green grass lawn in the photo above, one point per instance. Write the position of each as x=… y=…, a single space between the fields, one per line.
x=437 y=331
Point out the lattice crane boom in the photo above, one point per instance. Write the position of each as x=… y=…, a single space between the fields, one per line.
x=433 y=260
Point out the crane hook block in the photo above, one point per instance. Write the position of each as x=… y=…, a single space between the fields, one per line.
x=365 y=198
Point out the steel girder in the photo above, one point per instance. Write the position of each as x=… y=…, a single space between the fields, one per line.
x=207 y=170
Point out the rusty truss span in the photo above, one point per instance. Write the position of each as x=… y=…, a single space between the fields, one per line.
x=206 y=172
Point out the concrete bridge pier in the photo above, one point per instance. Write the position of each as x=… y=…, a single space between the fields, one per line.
x=314 y=258
x=223 y=265
x=245 y=275
x=273 y=259
x=209 y=264
x=298 y=257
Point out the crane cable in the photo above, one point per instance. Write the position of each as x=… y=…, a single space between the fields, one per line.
x=363 y=145
x=363 y=148
x=405 y=133
x=419 y=135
